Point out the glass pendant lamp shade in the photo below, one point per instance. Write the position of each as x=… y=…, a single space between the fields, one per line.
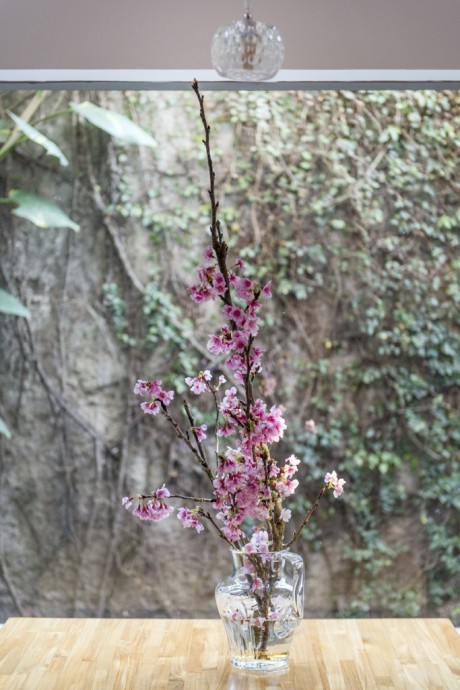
x=246 y=50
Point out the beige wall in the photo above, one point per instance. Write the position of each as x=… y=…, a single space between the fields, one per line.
x=175 y=34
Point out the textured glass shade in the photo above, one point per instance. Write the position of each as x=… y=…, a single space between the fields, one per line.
x=247 y=50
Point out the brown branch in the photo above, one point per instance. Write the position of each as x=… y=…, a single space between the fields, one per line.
x=217 y=528
x=195 y=435
x=219 y=246
x=307 y=517
x=187 y=441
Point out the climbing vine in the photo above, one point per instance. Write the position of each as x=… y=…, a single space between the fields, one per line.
x=349 y=203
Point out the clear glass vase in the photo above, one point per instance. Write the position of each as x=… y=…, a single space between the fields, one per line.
x=261 y=604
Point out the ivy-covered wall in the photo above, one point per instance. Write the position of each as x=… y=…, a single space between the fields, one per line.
x=349 y=203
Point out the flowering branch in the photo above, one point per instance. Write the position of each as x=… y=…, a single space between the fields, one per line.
x=248 y=483
x=185 y=438
x=219 y=246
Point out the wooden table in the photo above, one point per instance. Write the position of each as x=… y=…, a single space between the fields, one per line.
x=95 y=654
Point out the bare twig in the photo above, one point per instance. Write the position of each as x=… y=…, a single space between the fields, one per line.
x=307 y=517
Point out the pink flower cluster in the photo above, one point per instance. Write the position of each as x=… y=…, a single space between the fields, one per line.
x=259 y=542
x=211 y=280
x=333 y=482
x=189 y=518
x=152 y=508
x=241 y=320
x=248 y=484
x=199 y=384
x=242 y=491
x=158 y=396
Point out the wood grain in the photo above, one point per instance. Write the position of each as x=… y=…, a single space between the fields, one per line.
x=101 y=654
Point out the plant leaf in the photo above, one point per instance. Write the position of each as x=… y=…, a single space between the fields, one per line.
x=118 y=126
x=26 y=114
x=4 y=429
x=9 y=304
x=50 y=147
x=40 y=211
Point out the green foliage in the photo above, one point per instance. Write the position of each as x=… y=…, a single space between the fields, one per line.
x=9 y=304
x=4 y=429
x=40 y=211
x=169 y=328
x=357 y=203
x=34 y=135
x=116 y=306
x=124 y=130
x=348 y=203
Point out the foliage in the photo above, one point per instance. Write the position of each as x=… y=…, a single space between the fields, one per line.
x=352 y=202
x=349 y=203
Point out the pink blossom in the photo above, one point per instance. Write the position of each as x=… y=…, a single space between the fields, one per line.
x=198 y=384
x=141 y=387
x=166 y=397
x=330 y=478
x=200 y=293
x=216 y=345
x=151 y=407
x=257 y=622
x=232 y=532
x=239 y=341
x=156 y=392
x=244 y=289
x=227 y=428
x=153 y=510
x=152 y=388
x=256 y=584
x=208 y=256
x=235 y=314
x=259 y=512
x=162 y=493
x=267 y=290
x=310 y=425
x=200 y=432
x=259 y=540
x=287 y=487
x=285 y=514
x=218 y=284
x=127 y=502
x=332 y=481
x=248 y=568
x=189 y=518
x=338 y=491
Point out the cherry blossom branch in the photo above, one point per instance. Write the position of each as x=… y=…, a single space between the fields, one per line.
x=219 y=246
x=193 y=498
x=184 y=438
x=209 y=517
x=216 y=403
x=195 y=435
x=307 y=517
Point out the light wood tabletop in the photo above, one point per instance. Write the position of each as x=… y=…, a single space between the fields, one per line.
x=129 y=654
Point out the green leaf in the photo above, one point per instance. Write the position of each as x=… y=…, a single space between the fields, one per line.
x=39 y=138
x=118 y=126
x=40 y=211
x=11 y=305
x=4 y=429
x=4 y=131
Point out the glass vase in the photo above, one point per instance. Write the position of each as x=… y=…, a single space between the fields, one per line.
x=261 y=604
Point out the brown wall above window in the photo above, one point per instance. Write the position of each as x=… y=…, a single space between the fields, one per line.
x=176 y=34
